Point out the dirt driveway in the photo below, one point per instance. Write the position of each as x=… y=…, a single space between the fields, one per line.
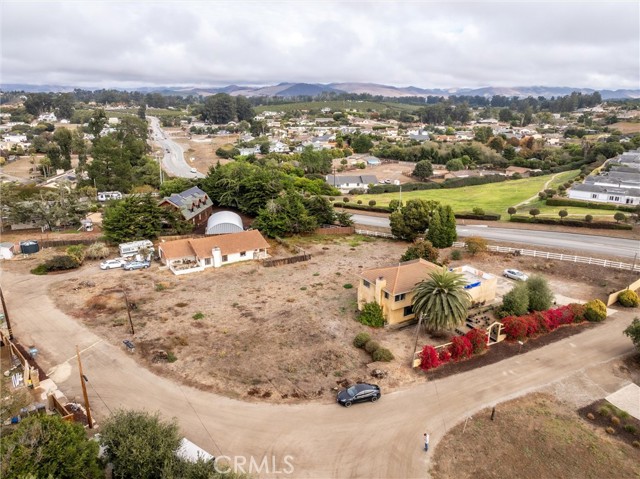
x=270 y=334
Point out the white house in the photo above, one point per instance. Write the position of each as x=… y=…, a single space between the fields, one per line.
x=192 y=255
x=350 y=182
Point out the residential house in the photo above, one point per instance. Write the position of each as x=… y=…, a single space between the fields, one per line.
x=252 y=150
x=620 y=185
x=349 y=182
x=392 y=287
x=522 y=171
x=194 y=205
x=196 y=254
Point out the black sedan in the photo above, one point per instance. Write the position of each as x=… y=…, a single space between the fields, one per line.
x=358 y=393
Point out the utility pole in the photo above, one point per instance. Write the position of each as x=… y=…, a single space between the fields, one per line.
x=6 y=315
x=126 y=300
x=84 y=389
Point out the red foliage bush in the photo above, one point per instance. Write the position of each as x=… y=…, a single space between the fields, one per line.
x=521 y=327
x=429 y=358
x=460 y=348
x=444 y=356
x=478 y=339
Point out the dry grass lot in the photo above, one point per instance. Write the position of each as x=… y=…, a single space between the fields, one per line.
x=533 y=437
x=278 y=333
x=202 y=148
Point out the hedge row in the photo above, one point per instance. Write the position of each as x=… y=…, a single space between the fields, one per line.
x=571 y=222
x=473 y=181
x=473 y=216
x=355 y=206
x=461 y=347
x=518 y=328
x=588 y=204
x=378 y=189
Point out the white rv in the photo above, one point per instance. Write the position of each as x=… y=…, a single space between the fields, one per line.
x=135 y=248
x=109 y=195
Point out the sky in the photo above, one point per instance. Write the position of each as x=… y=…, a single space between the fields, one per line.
x=428 y=44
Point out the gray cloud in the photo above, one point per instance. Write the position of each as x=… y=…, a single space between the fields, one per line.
x=421 y=43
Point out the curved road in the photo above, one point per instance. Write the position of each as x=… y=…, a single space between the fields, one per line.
x=173 y=154
x=592 y=244
x=322 y=439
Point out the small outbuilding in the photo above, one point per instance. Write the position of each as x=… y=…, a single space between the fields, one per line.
x=224 y=222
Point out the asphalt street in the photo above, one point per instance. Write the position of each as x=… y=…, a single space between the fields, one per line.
x=173 y=160
x=595 y=245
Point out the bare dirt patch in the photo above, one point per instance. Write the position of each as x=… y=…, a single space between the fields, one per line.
x=532 y=437
x=202 y=148
x=271 y=334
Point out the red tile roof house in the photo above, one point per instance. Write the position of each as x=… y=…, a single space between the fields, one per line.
x=192 y=255
x=194 y=205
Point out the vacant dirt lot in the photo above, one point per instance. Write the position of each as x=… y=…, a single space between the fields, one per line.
x=202 y=148
x=533 y=437
x=275 y=333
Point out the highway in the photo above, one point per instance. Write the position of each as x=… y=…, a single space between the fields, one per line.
x=173 y=160
x=596 y=245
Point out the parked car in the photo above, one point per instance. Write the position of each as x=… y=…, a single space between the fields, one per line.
x=515 y=274
x=358 y=393
x=113 y=263
x=387 y=181
x=193 y=170
x=136 y=265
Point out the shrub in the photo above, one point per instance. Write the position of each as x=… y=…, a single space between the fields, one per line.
x=359 y=202
x=40 y=270
x=534 y=212
x=540 y=295
x=475 y=245
x=347 y=286
x=515 y=327
x=444 y=356
x=563 y=214
x=61 y=263
x=421 y=249
x=345 y=199
x=478 y=211
x=371 y=346
x=628 y=298
x=577 y=310
x=372 y=202
x=456 y=255
x=588 y=218
x=636 y=444
x=77 y=252
x=620 y=217
x=610 y=430
x=198 y=315
x=371 y=315
x=516 y=301
x=615 y=420
x=171 y=358
x=96 y=251
x=604 y=411
x=478 y=340
x=590 y=416
x=429 y=358
x=630 y=428
x=460 y=348
x=382 y=354
x=595 y=311
x=361 y=339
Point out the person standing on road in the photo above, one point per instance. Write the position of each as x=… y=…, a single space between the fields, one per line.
x=426 y=441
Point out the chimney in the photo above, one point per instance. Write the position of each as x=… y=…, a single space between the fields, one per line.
x=217 y=257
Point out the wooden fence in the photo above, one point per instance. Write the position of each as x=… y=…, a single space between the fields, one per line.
x=381 y=234
x=562 y=257
x=65 y=242
x=268 y=263
x=613 y=297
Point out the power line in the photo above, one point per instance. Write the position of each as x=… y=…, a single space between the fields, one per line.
x=199 y=419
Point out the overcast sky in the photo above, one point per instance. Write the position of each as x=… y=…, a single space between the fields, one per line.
x=421 y=43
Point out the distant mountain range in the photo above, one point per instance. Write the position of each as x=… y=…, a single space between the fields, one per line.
x=314 y=89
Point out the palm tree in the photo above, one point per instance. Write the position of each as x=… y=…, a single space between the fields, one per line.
x=441 y=300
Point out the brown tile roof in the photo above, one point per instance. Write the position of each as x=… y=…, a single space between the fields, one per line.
x=402 y=277
x=201 y=247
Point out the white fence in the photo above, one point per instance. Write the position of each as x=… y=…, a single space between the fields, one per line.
x=381 y=234
x=562 y=257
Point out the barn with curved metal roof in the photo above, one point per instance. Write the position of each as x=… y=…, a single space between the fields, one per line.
x=224 y=222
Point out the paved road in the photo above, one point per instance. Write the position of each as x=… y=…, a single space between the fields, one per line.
x=369 y=440
x=173 y=154
x=595 y=245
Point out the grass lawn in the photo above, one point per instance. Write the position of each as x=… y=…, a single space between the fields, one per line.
x=338 y=105
x=493 y=197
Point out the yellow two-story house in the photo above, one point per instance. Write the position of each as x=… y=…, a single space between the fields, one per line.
x=392 y=287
